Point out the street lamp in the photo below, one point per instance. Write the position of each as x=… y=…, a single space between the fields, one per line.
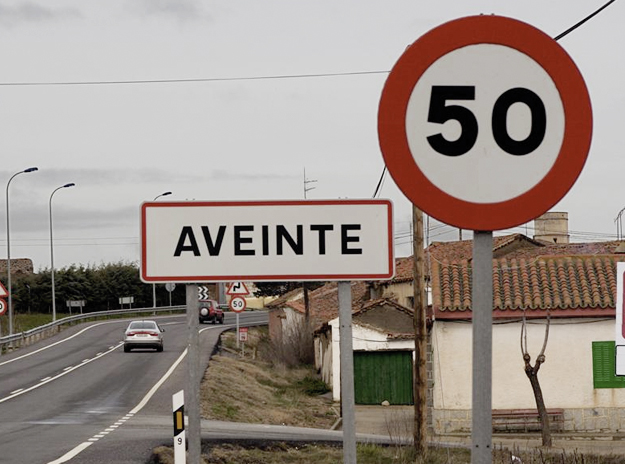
x=9 y=247
x=164 y=194
x=52 y=248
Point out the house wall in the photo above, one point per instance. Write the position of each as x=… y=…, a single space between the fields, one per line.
x=363 y=339
x=400 y=292
x=323 y=356
x=566 y=377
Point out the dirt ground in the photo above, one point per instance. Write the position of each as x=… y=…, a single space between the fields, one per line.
x=252 y=390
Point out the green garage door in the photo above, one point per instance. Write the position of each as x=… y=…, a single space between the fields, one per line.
x=383 y=375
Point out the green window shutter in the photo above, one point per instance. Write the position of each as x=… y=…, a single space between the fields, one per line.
x=604 y=366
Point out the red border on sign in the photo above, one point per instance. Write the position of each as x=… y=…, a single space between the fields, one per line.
x=268 y=278
x=472 y=31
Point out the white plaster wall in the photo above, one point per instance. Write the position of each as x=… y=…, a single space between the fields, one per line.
x=565 y=377
x=363 y=339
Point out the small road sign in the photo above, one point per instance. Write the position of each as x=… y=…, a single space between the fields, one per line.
x=3 y=291
x=237 y=288
x=3 y=307
x=243 y=334
x=485 y=122
x=203 y=292
x=170 y=286
x=238 y=304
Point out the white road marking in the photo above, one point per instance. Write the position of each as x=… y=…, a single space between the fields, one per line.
x=16 y=391
x=50 y=379
x=72 y=453
x=81 y=447
x=56 y=343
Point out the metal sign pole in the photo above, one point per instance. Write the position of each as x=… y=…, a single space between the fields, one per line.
x=193 y=367
x=347 y=372
x=482 y=296
x=238 y=334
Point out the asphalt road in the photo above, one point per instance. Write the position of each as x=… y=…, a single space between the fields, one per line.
x=77 y=397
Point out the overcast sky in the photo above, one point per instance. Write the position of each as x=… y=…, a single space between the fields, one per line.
x=228 y=119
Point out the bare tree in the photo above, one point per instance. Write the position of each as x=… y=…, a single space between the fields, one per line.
x=532 y=375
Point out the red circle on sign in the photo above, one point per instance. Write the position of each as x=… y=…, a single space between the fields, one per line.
x=400 y=160
x=238 y=304
x=3 y=307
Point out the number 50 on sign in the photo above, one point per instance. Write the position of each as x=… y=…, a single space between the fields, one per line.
x=485 y=123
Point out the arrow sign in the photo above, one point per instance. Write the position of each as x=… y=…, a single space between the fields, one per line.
x=203 y=292
x=237 y=288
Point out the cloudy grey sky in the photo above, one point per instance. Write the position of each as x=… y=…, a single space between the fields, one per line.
x=232 y=100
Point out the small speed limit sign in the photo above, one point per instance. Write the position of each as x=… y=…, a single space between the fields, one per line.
x=485 y=123
x=3 y=306
x=238 y=304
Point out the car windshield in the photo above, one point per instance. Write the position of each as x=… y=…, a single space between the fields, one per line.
x=143 y=325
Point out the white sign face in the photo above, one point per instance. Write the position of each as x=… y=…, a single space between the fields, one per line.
x=237 y=288
x=489 y=83
x=619 y=335
x=267 y=241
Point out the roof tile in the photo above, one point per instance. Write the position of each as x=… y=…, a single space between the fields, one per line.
x=548 y=282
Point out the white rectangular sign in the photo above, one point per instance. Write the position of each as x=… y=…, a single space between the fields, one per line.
x=267 y=241
x=619 y=336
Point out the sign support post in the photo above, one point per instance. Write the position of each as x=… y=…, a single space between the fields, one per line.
x=237 y=331
x=347 y=372
x=482 y=315
x=193 y=368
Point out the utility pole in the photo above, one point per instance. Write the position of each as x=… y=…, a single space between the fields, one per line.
x=419 y=374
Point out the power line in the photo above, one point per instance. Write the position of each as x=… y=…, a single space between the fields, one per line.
x=192 y=80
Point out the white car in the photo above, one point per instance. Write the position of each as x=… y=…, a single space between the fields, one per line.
x=143 y=334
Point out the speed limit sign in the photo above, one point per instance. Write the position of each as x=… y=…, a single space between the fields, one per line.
x=485 y=123
x=238 y=304
x=3 y=306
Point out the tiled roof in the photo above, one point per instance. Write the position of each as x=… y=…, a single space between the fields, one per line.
x=579 y=282
x=324 y=301
x=509 y=246
x=463 y=249
x=386 y=315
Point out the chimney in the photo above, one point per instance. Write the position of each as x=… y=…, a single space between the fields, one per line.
x=552 y=227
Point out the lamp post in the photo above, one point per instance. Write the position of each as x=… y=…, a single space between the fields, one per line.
x=164 y=194
x=52 y=248
x=33 y=169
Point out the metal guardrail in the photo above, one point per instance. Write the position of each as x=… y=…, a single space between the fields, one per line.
x=26 y=338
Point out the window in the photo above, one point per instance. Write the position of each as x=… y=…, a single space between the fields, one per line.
x=604 y=366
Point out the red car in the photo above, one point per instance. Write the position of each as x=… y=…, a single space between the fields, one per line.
x=211 y=312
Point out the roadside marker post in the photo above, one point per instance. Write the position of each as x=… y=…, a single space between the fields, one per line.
x=180 y=456
x=524 y=135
